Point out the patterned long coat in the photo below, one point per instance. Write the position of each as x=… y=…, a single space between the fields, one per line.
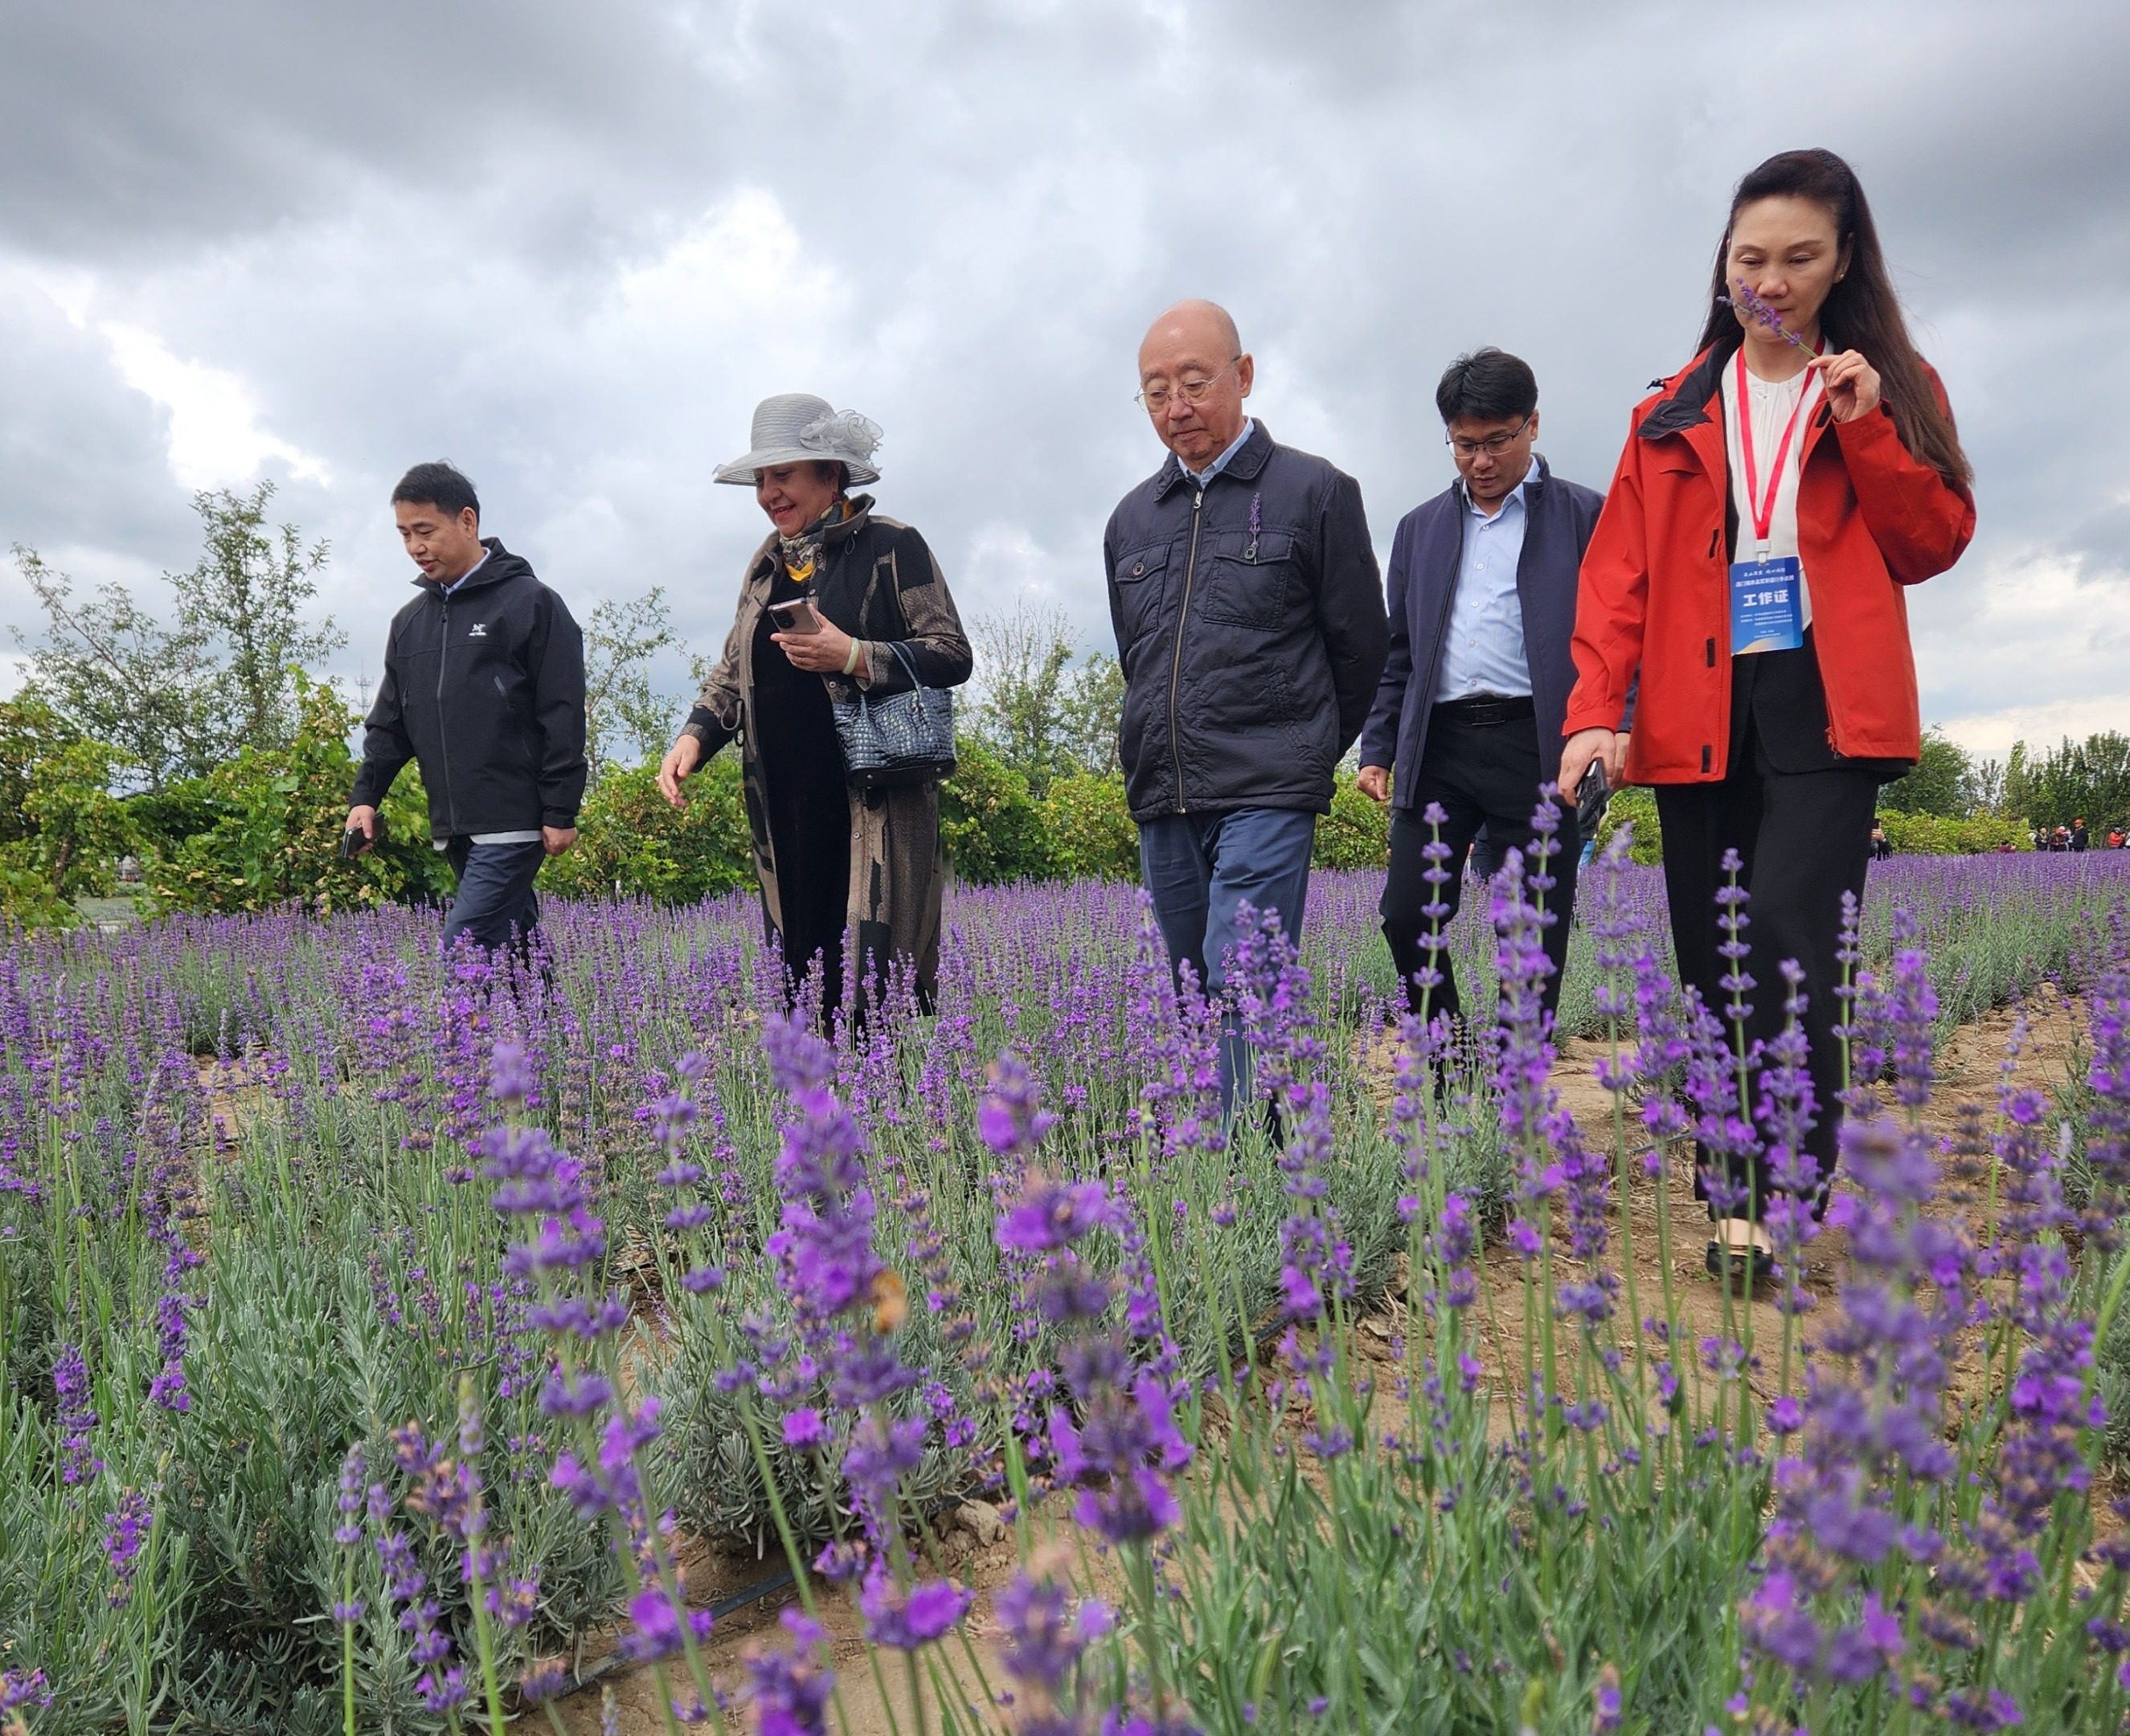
x=880 y=583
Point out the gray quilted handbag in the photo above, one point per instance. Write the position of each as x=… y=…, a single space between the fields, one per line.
x=902 y=740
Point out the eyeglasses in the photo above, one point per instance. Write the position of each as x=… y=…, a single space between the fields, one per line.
x=1155 y=398
x=1493 y=446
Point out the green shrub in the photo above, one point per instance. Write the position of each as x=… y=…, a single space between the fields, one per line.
x=1634 y=806
x=1356 y=832
x=992 y=828
x=61 y=830
x=276 y=816
x=1092 y=832
x=632 y=843
x=1931 y=834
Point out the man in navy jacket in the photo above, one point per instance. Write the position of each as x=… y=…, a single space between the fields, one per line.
x=1470 y=710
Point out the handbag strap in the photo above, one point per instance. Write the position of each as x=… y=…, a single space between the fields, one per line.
x=909 y=668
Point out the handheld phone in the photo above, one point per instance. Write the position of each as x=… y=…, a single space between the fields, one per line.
x=796 y=616
x=1591 y=796
x=353 y=842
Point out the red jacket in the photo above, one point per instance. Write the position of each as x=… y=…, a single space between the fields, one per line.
x=1654 y=593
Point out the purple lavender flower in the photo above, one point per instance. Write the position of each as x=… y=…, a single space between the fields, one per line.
x=22 y=1688
x=1051 y=1215
x=76 y=1417
x=659 y=1628
x=125 y=1534
x=904 y=1618
x=1047 y=1632
x=791 y=1689
x=1749 y=302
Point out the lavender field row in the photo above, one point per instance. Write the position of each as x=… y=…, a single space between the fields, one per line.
x=371 y=1330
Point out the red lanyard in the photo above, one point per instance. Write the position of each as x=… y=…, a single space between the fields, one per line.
x=1763 y=507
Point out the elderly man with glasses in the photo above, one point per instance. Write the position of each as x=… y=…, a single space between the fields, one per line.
x=1249 y=622
x=1483 y=583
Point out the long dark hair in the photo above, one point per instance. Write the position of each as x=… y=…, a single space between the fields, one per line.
x=1861 y=311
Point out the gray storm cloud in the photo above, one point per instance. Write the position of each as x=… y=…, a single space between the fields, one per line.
x=570 y=246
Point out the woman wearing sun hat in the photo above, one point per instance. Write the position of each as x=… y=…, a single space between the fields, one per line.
x=837 y=597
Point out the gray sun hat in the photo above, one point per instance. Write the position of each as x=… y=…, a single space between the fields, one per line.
x=796 y=427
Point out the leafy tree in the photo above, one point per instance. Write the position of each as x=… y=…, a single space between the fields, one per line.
x=2018 y=797
x=247 y=595
x=114 y=673
x=1986 y=787
x=173 y=701
x=2088 y=780
x=1942 y=782
x=1040 y=709
x=623 y=714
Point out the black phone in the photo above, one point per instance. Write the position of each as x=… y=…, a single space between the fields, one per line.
x=353 y=841
x=1591 y=796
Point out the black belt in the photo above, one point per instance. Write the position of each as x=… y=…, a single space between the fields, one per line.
x=1484 y=709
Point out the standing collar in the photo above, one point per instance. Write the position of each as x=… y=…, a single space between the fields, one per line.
x=469 y=573
x=481 y=572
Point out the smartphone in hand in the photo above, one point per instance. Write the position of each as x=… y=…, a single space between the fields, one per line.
x=353 y=842
x=796 y=616
x=1591 y=796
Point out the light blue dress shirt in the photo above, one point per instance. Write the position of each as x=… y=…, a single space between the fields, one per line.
x=1199 y=479
x=1483 y=651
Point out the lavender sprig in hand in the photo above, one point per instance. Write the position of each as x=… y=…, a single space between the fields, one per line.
x=1747 y=302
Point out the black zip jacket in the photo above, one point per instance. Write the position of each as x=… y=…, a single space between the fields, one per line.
x=1250 y=624
x=485 y=690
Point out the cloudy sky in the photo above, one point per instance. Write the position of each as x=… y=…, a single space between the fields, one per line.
x=568 y=245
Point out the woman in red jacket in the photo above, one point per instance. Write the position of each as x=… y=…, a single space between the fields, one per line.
x=1775 y=500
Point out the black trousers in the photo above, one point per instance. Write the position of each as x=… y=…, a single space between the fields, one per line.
x=1800 y=818
x=1482 y=774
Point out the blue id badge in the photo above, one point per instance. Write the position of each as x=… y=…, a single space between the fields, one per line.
x=1767 y=606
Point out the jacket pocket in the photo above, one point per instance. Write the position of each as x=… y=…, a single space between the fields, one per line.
x=1141 y=582
x=1243 y=579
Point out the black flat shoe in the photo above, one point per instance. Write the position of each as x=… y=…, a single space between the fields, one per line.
x=1752 y=1265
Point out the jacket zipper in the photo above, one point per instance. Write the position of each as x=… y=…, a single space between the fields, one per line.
x=1176 y=664
x=443 y=735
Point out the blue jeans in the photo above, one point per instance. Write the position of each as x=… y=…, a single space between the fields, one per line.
x=495 y=900
x=1199 y=867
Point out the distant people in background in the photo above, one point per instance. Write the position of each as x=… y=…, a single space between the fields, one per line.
x=1249 y=623
x=2060 y=840
x=1482 y=594
x=2079 y=840
x=1776 y=503
x=2115 y=837
x=484 y=689
x=2041 y=837
x=1882 y=846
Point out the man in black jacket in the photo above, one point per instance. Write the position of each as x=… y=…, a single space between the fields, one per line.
x=1249 y=622
x=483 y=688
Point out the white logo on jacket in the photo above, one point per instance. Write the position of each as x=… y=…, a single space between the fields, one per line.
x=478 y=630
